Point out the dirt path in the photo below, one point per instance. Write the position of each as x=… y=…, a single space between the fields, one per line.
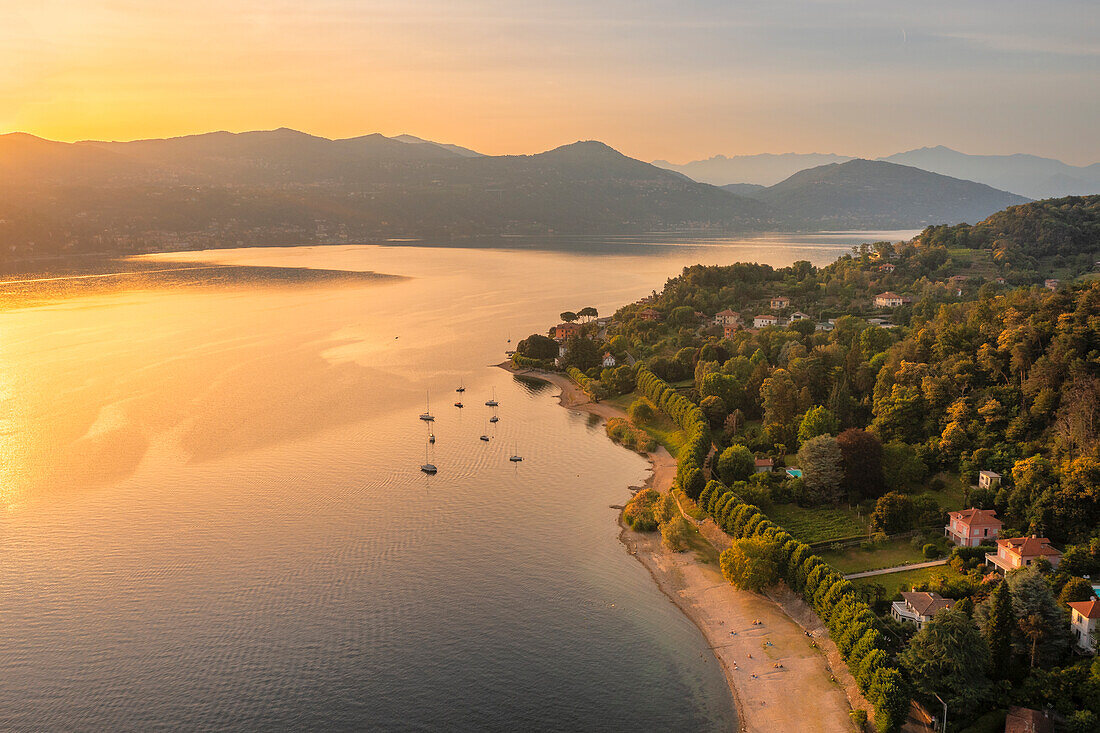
x=896 y=569
x=799 y=695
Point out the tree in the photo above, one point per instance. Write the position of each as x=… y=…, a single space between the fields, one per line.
x=588 y=313
x=1033 y=596
x=948 y=657
x=902 y=468
x=537 y=346
x=821 y=470
x=568 y=316
x=752 y=563
x=581 y=353
x=817 y=421
x=996 y=620
x=715 y=410
x=736 y=463
x=780 y=400
x=641 y=411
x=1076 y=589
x=861 y=459
x=893 y=513
x=1034 y=629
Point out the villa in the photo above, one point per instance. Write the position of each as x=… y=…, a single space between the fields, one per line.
x=649 y=314
x=729 y=330
x=727 y=318
x=763 y=465
x=1021 y=552
x=972 y=527
x=1085 y=621
x=799 y=316
x=565 y=331
x=919 y=607
x=779 y=302
x=889 y=300
x=765 y=320
x=608 y=359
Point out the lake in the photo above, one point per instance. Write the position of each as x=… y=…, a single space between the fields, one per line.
x=213 y=516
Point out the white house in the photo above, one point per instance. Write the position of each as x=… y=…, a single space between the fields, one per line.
x=988 y=479
x=799 y=316
x=919 y=608
x=765 y=320
x=1085 y=620
x=608 y=359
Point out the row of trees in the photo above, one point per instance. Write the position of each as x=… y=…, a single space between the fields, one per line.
x=690 y=418
x=763 y=553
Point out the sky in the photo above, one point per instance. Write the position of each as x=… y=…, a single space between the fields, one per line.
x=655 y=79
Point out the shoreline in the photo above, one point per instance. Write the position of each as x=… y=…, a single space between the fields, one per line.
x=725 y=615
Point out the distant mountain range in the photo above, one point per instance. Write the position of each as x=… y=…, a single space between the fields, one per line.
x=872 y=193
x=765 y=169
x=287 y=187
x=1026 y=175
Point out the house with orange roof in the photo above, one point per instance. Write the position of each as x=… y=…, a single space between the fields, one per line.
x=919 y=607
x=1085 y=622
x=565 y=331
x=890 y=299
x=763 y=465
x=727 y=318
x=729 y=330
x=764 y=320
x=650 y=314
x=1022 y=552
x=972 y=527
x=779 y=302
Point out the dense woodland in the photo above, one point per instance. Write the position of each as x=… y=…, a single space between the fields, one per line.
x=878 y=406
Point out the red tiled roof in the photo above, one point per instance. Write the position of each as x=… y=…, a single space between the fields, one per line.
x=761 y=462
x=1088 y=609
x=1026 y=720
x=888 y=294
x=768 y=316
x=1029 y=546
x=977 y=517
x=927 y=604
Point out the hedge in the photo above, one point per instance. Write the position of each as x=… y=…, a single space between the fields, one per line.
x=526 y=361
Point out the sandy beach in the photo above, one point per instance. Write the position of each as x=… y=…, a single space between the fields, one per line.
x=783 y=671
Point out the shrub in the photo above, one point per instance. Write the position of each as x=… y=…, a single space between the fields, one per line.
x=930 y=551
x=641 y=411
x=674 y=534
x=639 y=512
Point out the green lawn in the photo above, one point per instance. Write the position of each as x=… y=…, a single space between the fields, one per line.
x=663 y=430
x=817 y=525
x=895 y=582
x=952 y=496
x=899 y=551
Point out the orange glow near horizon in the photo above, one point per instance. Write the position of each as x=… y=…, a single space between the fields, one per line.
x=517 y=77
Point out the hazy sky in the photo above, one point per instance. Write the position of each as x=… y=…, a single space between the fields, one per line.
x=675 y=80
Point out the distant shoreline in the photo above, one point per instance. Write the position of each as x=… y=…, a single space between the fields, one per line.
x=764 y=703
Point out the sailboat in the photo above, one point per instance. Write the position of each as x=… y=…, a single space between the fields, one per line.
x=494 y=418
x=427 y=416
x=461 y=388
x=458 y=404
x=515 y=457
x=485 y=438
x=493 y=402
x=431 y=438
x=428 y=468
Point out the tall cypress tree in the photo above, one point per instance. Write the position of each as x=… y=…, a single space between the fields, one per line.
x=998 y=630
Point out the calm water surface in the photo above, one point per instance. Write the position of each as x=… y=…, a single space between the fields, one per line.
x=212 y=514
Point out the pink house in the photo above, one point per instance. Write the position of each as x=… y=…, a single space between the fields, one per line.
x=972 y=527
x=1022 y=552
